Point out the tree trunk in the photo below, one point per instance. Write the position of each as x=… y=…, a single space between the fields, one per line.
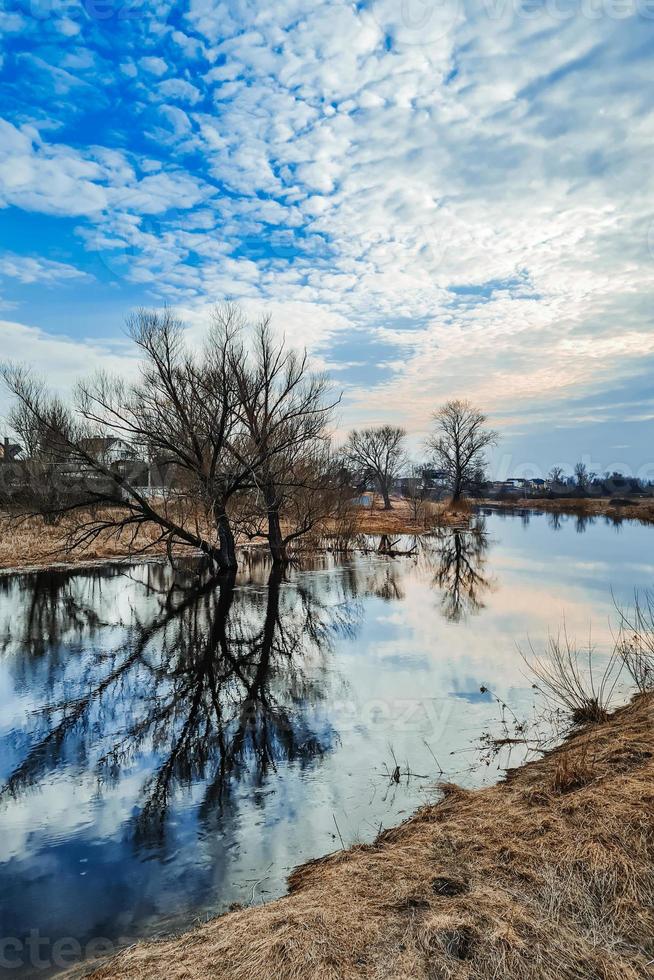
x=226 y=555
x=387 y=500
x=275 y=537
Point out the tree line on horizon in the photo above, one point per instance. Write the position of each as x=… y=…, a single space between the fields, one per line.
x=242 y=428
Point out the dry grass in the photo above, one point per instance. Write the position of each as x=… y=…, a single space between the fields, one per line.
x=31 y=542
x=547 y=876
x=638 y=510
x=635 y=644
x=401 y=519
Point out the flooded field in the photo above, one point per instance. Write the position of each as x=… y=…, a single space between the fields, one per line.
x=171 y=745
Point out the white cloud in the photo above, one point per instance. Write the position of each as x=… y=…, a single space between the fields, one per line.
x=180 y=89
x=35 y=270
x=61 y=360
x=153 y=65
x=463 y=189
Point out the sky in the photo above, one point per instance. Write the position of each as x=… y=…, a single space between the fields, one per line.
x=439 y=198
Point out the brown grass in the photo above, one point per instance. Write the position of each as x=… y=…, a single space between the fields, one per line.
x=31 y=542
x=546 y=876
x=401 y=519
x=637 y=510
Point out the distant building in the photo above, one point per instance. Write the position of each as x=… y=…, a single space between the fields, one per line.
x=110 y=449
x=9 y=451
x=432 y=479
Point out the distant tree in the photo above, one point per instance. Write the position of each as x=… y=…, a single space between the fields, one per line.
x=581 y=476
x=556 y=474
x=475 y=485
x=459 y=442
x=414 y=492
x=378 y=453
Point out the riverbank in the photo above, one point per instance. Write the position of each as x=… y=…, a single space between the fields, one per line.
x=548 y=875
x=633 y=510
x=31 y=544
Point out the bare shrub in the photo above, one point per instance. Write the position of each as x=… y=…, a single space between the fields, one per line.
x=569 y=678
x=636 y=640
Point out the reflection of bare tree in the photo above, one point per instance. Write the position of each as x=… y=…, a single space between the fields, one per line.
x=460 y=571
x=216 y=683
x=582 y=521
x=53 y=609
x=554 y=520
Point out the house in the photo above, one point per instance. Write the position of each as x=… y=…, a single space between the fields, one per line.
x=432 y=479
x=109 y=449
x=9 y=451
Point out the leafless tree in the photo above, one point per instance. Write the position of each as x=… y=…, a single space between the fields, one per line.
x=377 y=453
x=284 y=409
x=238 y=427
x=33 y=481
x=556 y=474
x=180 y=410
x=458 y=443
x=414 y=493
x=581 y=476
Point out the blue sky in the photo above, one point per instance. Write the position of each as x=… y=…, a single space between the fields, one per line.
x=439 y=198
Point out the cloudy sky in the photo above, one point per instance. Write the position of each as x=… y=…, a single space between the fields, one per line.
x=439 y=198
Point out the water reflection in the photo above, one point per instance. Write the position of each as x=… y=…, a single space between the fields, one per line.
x=167 y=739
x=460 y=571
x=214 y=683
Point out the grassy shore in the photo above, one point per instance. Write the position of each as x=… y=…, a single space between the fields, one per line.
x=31 y=543
x=636 y=510
x=548 y=875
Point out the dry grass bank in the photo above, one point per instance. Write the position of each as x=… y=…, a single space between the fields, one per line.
x=402 y=519
x=637 y=510
x=547 y=876
x=32 y=543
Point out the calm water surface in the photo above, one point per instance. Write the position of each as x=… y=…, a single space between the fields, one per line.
x=171 y=745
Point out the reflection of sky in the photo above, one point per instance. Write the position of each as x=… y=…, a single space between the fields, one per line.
x=403 y=684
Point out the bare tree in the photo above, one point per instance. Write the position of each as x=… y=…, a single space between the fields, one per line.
x=556 y=474
x=33 y=482
x=238 y=428
x=459 y=442
x=377 y=453
x=181 y=410
x=581 y=476
x=414 y=492
x=284 y=409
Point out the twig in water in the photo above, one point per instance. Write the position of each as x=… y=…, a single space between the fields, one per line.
x=338 y=831
x=441 y=771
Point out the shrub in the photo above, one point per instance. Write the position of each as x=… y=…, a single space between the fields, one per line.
x=568 y=677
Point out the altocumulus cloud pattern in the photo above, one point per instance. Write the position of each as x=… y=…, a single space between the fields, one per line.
x=439 y=198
